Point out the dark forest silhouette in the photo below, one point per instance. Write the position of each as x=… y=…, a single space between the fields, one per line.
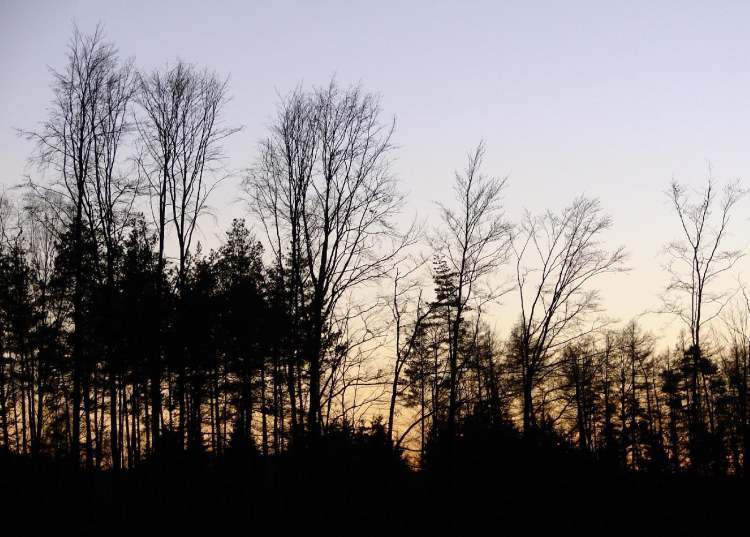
x=331 y=369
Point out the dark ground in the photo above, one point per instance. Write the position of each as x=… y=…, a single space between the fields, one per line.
x=496 y=485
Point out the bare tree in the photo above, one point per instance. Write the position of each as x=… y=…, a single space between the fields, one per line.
x=278 y=186
x=699 y=257
x=113 y=194
x=696 y=262
x=181 y=133
x=473 y=239
x=556 y=257
x=327 y=198
x=407 y=332
x=87 y=108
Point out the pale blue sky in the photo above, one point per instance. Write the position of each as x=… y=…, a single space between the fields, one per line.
x=610 y=99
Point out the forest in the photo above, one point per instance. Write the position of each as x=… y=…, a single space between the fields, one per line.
x=332 y=363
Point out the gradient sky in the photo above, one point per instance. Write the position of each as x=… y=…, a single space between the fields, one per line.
x=607 y=99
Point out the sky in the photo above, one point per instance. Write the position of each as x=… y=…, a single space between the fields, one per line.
x=608 y=99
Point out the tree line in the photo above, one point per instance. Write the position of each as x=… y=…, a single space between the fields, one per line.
x=121 y=338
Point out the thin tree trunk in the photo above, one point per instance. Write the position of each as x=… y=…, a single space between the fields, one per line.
x=264 y=423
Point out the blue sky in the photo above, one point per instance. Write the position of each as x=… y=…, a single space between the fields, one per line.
x=608 y=99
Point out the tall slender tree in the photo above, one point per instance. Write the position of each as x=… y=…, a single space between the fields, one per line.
x=694 y=293
x=556 y=257
x=473 y=240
